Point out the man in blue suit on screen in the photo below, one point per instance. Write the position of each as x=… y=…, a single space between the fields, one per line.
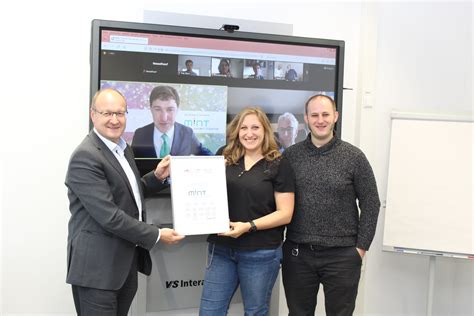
x=165 y=136
x=108 y=237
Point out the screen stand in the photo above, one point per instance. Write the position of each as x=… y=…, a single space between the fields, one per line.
x=429 y=305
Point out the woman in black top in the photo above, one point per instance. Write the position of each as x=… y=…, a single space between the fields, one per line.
x=260 y=192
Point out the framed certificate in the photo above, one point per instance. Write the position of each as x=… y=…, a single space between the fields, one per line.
x=199 y=194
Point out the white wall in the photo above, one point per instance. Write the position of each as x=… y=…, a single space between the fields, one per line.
x=424 y=64
x=1 y=235
x=45 y=71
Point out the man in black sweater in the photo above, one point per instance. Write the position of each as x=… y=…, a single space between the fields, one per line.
x=327 y=237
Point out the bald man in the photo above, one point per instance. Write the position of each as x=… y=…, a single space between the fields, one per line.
x=109 y=239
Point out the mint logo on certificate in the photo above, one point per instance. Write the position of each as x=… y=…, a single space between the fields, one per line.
x=199 y=195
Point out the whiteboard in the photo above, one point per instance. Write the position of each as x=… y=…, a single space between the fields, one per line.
x=430 y=192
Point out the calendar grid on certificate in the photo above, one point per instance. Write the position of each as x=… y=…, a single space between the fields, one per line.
x=199 y=194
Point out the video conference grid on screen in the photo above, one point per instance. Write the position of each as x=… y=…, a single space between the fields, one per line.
x=153 y=57
x=276 y=77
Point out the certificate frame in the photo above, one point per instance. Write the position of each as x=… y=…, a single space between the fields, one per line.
x=199 y=195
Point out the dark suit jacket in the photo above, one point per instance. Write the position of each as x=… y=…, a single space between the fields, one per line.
x=104 y=229
x=185 y=142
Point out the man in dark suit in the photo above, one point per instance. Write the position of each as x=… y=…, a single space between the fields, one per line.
x=165 y=136
x=291 y=74
x=108 y=240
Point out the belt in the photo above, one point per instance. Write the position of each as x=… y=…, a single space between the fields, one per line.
x=313 y=247
x=309 y=246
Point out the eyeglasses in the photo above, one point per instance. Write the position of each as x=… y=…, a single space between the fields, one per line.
x=111 y=114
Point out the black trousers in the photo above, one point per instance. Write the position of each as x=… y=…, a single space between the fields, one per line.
x=96 y=302
x=305 y=267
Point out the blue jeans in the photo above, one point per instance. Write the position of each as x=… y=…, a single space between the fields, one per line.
x=254 y=270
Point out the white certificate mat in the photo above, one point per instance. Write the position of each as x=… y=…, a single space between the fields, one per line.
x=199 y=195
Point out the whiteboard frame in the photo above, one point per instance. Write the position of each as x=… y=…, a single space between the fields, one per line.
x=452 y=117
x=430 y=117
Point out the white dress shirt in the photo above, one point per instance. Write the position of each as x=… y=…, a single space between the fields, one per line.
x=118 y=151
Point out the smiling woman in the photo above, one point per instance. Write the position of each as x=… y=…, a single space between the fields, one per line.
x=250 y=134
x=260 y=188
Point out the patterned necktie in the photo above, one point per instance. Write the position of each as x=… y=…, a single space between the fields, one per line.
x=165 y=147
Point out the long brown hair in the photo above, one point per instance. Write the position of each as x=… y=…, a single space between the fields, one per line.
x=234 y=149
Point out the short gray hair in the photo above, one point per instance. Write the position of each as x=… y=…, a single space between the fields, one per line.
x=289 y=116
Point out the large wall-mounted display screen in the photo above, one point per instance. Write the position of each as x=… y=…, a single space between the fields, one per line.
x=189 y=82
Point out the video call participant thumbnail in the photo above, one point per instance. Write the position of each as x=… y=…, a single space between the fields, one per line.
x=257 y=72
x=189 y=69
x=291 y=74
x=223 y=68
x=166 y=136
x=287 y=130
x=279 y=73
